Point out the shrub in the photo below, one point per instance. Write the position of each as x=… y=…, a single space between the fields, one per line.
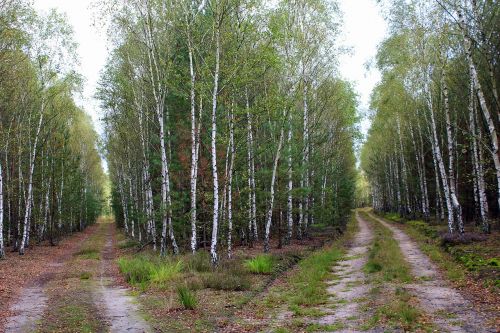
x=136 y=270
x=165 y=272
x=373 y=267
x=129 y=243
x=393 y=217
x=261 y=264
x=85 y=275
x=186 y=298
x=194 y=282
x=457 y=239
x=199 y=262
x=424 y=228
x=227 y=281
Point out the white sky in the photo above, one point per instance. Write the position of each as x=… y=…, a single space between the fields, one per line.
x=364 y=28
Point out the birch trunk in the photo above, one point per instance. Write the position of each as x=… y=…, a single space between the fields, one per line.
x=420 y=173
x=305 y=160
x=29 y=199
x=230 y=185
x=2 y=249
x=290 y=182
x=269 y=214
x=60 y=198
x=146 y=179
x=482 y=102
x=159 y=93
x=133 y=201
x=215 y=221
x=479 y=183
x=252 y=205
x=457 y=208
x=194 y=150
x=440 y=164
x=124 y=203
x=404 y=169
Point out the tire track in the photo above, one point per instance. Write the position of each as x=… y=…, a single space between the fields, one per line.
x=120 y=309
x=349 y=291
x=450 y=310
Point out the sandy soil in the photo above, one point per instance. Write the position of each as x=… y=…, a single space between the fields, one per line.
x=351 y=288
x=450 y=310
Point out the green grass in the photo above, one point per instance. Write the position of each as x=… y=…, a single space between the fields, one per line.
x=165 y=272
x=70 y=316
x=85 y=275
x=306 y=287
x=186 y=298
x=89 y=253
x=385 y=260
x=198 y=262
x=261 y=264
x=386 y=263
x=431 y=247
x=144 y=271
x=128 y=243
x=230 y=280
x=479 y=258
x=324 y=328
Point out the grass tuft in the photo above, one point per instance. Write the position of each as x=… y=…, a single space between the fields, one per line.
x=261 y=264
x=88 y=253
x=144 y=271
x=186 y=298
x=165 y=272
x=128 y=243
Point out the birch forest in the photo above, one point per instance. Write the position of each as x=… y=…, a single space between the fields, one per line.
x=51 y=179
x=432 y=151
x=226 y=123
x=244 y=166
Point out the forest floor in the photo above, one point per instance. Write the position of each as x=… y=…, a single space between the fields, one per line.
x=377 y=276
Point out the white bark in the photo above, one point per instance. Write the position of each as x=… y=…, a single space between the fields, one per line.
x=46 y=210
x=477 y=159
x=404 y=169
x=2 y=249
x=159 y=93
x=215 y=221
x=457 y=208
x=252 y=205
x=29 y=199
x=305 y=160
x=194 y=152
x=230 y=185
x=133 y=201
x=421 y=174
x=269 y=214
x=482 y=102
x=60 y=198
x=290 y=182
x=124 y=202
x=440 y=164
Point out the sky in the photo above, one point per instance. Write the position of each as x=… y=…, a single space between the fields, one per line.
x=363 y=29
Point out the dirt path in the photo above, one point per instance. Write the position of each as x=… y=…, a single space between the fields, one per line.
x=120 y=308
x=451 y=312
x=349 y=291
x=77 y=292
x=23 y=280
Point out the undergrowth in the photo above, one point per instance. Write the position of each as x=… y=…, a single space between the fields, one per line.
x=261 y=264
x=186 y=298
